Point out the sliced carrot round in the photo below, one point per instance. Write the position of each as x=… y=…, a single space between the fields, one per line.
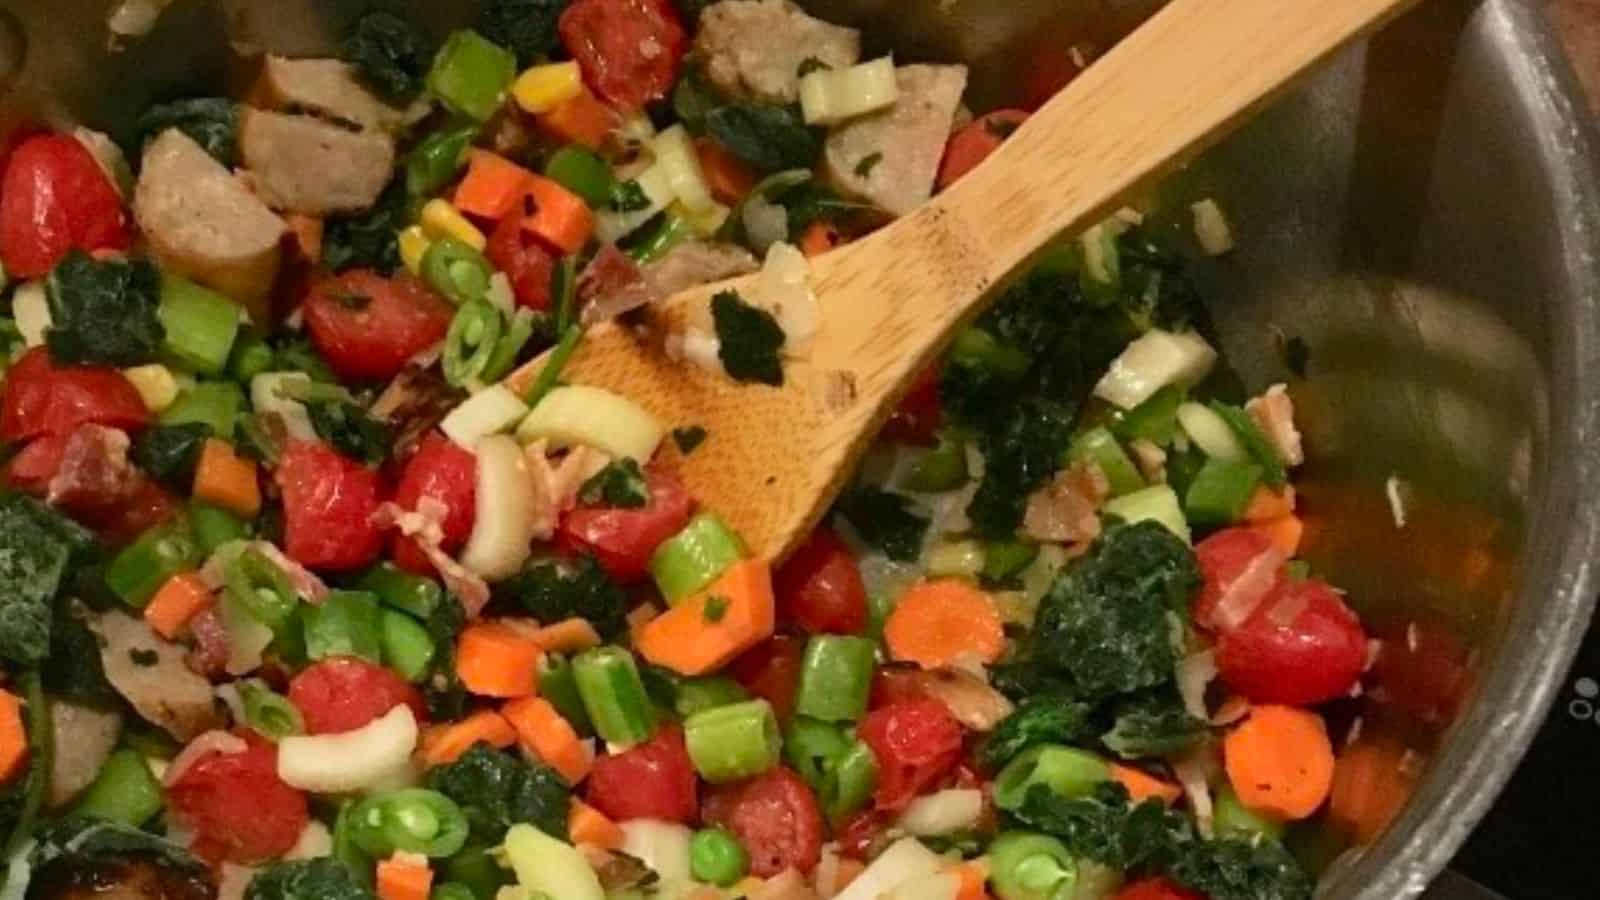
x=1280 y=761
x=943 y=622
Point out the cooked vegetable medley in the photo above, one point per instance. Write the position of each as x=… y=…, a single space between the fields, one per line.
x=300 y=599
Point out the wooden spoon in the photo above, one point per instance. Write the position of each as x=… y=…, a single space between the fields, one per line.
x=775 y=458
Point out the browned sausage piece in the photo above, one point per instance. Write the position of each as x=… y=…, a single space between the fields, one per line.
x=312 y=167
x=165 y=692
x=890 y=158
x=693 y=263
x=755 y=48
x=84 y=739
x=329 y=88
x=204 y=224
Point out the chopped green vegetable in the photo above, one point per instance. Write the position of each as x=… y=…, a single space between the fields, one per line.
x=767 y=138
x=139 y=570
x=324 y=878
x=940 y=468
x=125 y=791
x=437 y=160
x=716 y=609
x=1098 y=446
x=407 y=646
x=582 y=171
x=734 y=742
x=716 y=857
x=103 y=313
x=257 y=584
x=1232 y=819
x=74 y=670
x=402 y=590
x=370 y=239
x=1066 y=771
x=497 y=790
x=168 y=453
x=470 y=344
x=1027 y=866
x=835 y=677
x=410 y=820
x=1019 y=457
x=525 y=27
x=1046 y=719
x=211 y=122
x=351 y=430
x=620 y=484
x=552 y=589
x=1220 y=491
x=215 y=404
x=268 y=712
x=388 y=54
x=1261 y=450
x=1155 y=420
x=559 y=685
x=695 y=556
x=693 y=695
x=885 y=521
x=200 y=326
x=345 y=623
x=1154 y=725
x=456 y=270
x=1005 y=561
x=470 y=75
x=614 y=695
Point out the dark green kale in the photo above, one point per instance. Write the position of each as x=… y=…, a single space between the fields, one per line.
x=1021 y=678
x=23 y=796
x=552 y=589
x=72 y=847
x=628 y=196
x=368 y=240
x=765 y=137
x=348 y=428
x=885 y=521
x=1154 y=724
x=211 y=122
x=83 y=548
x=103 y=313
x=811 y=201
x=620 y=484
x=525 y=27
x=1233 y=869
x=1019 y=457
x=74 y=671
x=1048 y=719
x=442 y=689
x=32 y=564
x=1112 y=620
x=693 y=99
x=322 y=878
x=169 y=453
x=497 y=790
x=750 y=340
x=389 y=55
x=295 y=354
x=688 y=438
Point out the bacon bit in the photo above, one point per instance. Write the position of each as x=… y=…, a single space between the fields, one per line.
x=219 y=742
x=1273 y=412
x=209 y=654
x=1246 y=591
x=1151 y=460
x=612 y=285
x=425 y=526
x=1195 y=672
x=1066 y=511
x=558 y=484
x=94 y=469
x=968 y=697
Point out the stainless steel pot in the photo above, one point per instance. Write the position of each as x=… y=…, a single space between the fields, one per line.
x=1422 y=215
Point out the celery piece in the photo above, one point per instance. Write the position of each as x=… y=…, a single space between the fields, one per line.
x=125 y=791
x=1066 y=771
x=200 y=324
x=214 y=403
x=1220 y=492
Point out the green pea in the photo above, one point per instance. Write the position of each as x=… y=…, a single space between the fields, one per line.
x=716 y=857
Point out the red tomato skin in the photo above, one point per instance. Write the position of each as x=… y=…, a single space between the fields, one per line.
x=918 y=417
x=654 y=780
x=525 y=261
x=1424 y=669
x=861 y=833
x=444 y=471
x=42 y=398
x=209 y=796
x=608 y=38
x=55 y=198
x=819 y=588
x=343 y=693
x=367 y=326
x=972 y=145
x=34 y=465
x=1316 y=657
x=775 y=816
x=1221 y=557
x=623 y=540
x=329 y=502
x=917 y=742
x=1157 y=889
x=771 y=671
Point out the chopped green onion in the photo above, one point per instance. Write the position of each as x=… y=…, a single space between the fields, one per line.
x=407 y=646
x=142 y=567
x=261 y=588
x=564 y=293
x=271 y=714
x=730 y=743
x=1220 y=492
x=1261 y=450
x=456 y=270
x=614 y=696
x=1097 y=445
x=1155 y=420
x=835 y=677
x=414 y=594
x=345 y=849
x=551 y=373
x=695 y=556
x=716 y=857
x=436 y=161
x=214 y=403
x=411 y=820
x=693 y=695
x=559 y=684
x=650 y=245
x=523 y=324
x=849 y=785
x=214 y=526
x=1028 y=866
x=1066 y=771
x=346 y=623
x=470 y=75
x=940 y=468
x=977 y=349
x=124 y=791
x=582 y=171
x=200 y=324
x=1231 y=818
x=1004 y=561
x=469 y=346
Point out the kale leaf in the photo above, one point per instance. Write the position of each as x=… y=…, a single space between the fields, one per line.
x=169 y=453
x=322 y=878
x=442 y=689
x=296 y=354
x=1233 y=869
x=1111 y=620
x=1047 y=719
x=552 y=589
x=1154 y=724
x=103 y=313
x=525 y=27
x=749 y=340
x=885 y=521
x=211 y=122
x=388 y=54
x=32 y=564
x=349 y=429
x=768 y=138
x=74 y=670
x=1018 y=458
x=368 y=240
x=497 y=790
x=620 y=484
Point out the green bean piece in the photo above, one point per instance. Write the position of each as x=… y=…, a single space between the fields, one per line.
x=125 y=791
x=849 y=786
x=814 y=748
x=418 y=595
x=582 y=171
x=261 y=588
x=1067 y=771
x=559 y=684
x=268 y=712
x=139 y=569
x=716 y=857
x=1155 y=420
x=346 y=623
x=407 y=646
x=1028 y=866
x=437 y=160
x=214 y=526
x=470 y=75
x=614 y=695
x=1004 y=561
x=214 y=403
x=692 y=695
x=734 y=742
x=469 y=346
x=411 y=820
x=835 y=677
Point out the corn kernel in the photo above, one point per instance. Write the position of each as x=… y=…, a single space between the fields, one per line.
x=441 y=220
x=413 y=245
x=543 y=88
x=156 y=385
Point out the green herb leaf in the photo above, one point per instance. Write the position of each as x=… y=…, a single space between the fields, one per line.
x=103 y=313
x=368 y=240
x=620 y=484
x=525 y=27
x=628 y=196
x=169 y=453
x=553 y=589
x=768 y=138
x=750 y=340
x=388 y=54
x=32 y=564
x=349 y=429
x=688 y=438
x=885 y=521
x=211 y=122
x=716 y=608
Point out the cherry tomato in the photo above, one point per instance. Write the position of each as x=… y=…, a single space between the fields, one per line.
x=56 y=198
x=43 y=398
x=1223 y=557
x=771 y=670
x=525 y=261
x=973 y=144
x=1052 y=68
x=1422 y=668
x=623 y=540
x=775 y=816
x=442 y=470
x=629 y=50
x=343 y=693
x=894 y=683
x=1157 y=889
x=654 y=780
x=1314 y=656
x=862 y=835
x=237 y=807
x=917 y=742
x=329 y=502
x=819 y=588
x=918 y=417
x=368 y=326
x=35 y=464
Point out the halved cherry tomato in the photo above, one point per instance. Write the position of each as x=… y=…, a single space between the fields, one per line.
x=1300 y=647
x=1223 y=557
x=862 y=835
x=917 y=742
x=43 y=398
x=368 y=326
x=775 y=816
x=654 y=780
x=918 y=417
x=1157 y=889
x=329 y=502
x=443 y=471
x=819 y=588
x=629 y=50
x=35 y=464
x=55 y=198
x=771 y=670
x=525 y=261
x=623 y=540
x=343 y=693
x=237 y=807
x=973 y=144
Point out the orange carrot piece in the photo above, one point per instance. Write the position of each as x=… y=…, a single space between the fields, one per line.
x=587 y=825
x=227 y=479
x=729 y=178
x=567 y=636
x=938 y=623
x=1280 y=761
x=819 y=238
x=581 y=120
x=181 y=598
x=402 y=878
x=687 y=641
x=1371 y=784
x=974 y=874
x=1286 y=532
x=1267 y=504
x=307 y=232
x=497 y=660
x=445 y=743
x=13 y=737
x=559 y=217
x=1142 y=785
x=492 y=185
x=544 y=733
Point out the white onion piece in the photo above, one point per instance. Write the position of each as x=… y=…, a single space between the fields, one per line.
x=765 y=223
x=906 y=860
x=1195 y=672
x=314 y=841
x=663 y=846
x=350 y=760
x=203 y=745
x=1246 y=591
x=943 y=812
x=135 y=18
x=30 y=306
x=507 y=517
x=1194 y=772
x=933 y=886
x=783 y=289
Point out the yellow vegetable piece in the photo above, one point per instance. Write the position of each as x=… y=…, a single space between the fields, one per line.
x=414 y=245
x=543 y=88
x=441 y=220
x=156 y=385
